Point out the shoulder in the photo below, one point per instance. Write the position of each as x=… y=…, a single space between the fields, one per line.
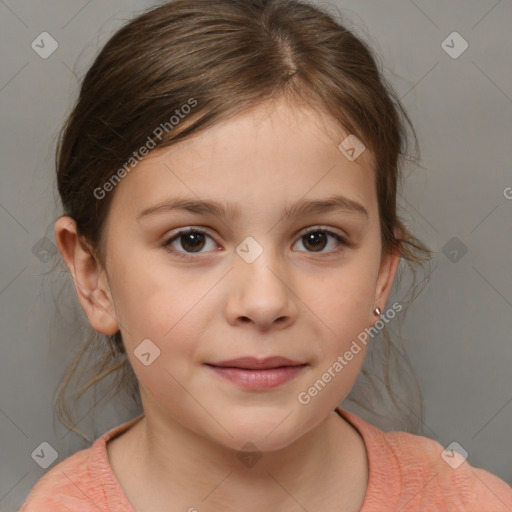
x=84 y=482
x=432 y=474
x=62 y=488
x=410 y=472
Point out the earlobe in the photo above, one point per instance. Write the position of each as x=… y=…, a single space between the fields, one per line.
x=88 y=277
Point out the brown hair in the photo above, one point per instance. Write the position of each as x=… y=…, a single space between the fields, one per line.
x=229 y=56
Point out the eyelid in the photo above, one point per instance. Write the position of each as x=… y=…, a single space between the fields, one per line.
x=169 y=239
x=327 y=229
x=302 y=232
x=343 y=239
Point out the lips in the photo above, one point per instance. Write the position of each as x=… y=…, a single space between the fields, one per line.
x=254 y=363
x=258 y=375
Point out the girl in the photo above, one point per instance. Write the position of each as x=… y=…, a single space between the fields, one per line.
x=229 y=177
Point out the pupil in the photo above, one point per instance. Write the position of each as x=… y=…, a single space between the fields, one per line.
x=315 y=238
x=196 y=241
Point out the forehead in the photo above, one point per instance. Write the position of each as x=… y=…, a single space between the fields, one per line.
x=265 y=156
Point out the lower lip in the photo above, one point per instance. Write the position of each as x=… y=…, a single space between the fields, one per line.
x=259 y=379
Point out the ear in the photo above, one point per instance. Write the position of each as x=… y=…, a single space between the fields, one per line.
x=89 y=277
x=388 y=266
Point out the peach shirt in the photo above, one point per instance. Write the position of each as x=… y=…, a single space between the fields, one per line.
x=406 y=474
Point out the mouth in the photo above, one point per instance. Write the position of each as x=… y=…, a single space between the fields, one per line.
x=254 y=363
x=256 y=374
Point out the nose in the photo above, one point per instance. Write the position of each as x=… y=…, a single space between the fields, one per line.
x=261 y=293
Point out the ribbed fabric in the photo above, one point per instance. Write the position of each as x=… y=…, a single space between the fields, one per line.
x=406 y=474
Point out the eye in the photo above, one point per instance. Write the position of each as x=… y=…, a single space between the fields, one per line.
x=192 y=240
x=317 y=239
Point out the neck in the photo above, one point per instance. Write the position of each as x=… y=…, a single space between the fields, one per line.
x=322 y=467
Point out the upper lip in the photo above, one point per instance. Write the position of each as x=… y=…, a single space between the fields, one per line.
x=254 y=363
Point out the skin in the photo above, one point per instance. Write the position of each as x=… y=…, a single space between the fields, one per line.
x=299 y=300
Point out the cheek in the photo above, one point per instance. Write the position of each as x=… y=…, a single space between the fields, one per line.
x=343 y=317
x=149 y=294
x=345 y=303
x=151 y=309
x=341 y=342
x=175 y=324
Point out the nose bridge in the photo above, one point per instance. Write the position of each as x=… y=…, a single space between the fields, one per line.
x=257 y=264
x=260 y=289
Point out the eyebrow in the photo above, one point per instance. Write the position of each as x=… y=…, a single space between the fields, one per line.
x=300 y=208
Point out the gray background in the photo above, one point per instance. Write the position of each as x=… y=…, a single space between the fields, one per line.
x=457 y=331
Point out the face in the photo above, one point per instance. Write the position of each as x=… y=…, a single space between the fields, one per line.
x=255 y=277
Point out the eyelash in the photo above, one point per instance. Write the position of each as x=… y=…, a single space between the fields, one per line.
x=190 y=256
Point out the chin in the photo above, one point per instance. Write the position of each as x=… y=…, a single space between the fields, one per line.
x=267 y=434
